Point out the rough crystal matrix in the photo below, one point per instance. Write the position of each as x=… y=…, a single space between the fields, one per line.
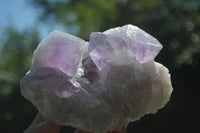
x=98 y=87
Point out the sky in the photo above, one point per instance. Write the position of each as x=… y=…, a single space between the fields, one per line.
x=23 y=16
x=16 y=12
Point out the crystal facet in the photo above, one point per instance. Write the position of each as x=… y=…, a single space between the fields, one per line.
x=144 y=46
x=108 y=49
x=59 y=50
x=98 y=87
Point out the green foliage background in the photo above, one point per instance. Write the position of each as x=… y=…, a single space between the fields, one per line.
x=175 y=23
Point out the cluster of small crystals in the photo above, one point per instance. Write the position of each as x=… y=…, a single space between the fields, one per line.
x=100 y=85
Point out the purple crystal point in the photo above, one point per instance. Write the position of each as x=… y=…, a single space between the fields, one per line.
x=107 y=49
x=144 y=46
x=58 y=51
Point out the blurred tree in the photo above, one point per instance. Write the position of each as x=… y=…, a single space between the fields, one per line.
x=176 y=23
x=15 y=60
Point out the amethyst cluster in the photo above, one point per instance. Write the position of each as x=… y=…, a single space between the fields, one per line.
x=100 y=85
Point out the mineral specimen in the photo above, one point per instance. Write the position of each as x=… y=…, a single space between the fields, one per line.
x=98 y=87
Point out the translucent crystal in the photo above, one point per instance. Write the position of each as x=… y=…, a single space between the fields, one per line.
x=59 y=50
x=98 y=87
x=144 y=46
x=107 y=49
